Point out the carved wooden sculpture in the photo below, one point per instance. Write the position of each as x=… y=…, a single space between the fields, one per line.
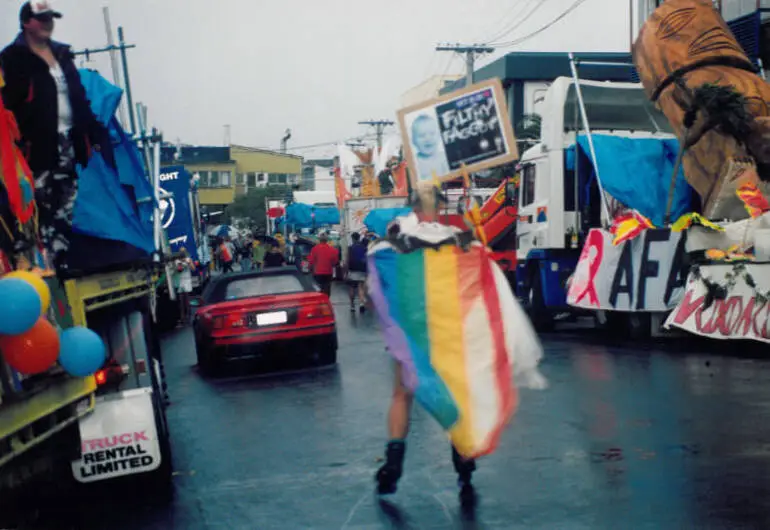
x=685 y=52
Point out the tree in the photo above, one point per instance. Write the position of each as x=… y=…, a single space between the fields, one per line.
x=251 y=206
x=528 y=131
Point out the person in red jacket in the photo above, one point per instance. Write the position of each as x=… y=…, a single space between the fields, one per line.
x=323 y=258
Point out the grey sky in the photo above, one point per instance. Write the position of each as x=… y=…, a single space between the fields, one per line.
x=316 y=66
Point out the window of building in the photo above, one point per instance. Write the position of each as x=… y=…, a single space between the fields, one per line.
x=260 y=177
x=528 y=185
x=204 y=182
x=251 y=179
x=276 y=178
x=224 y=178
x=214 y=179
x=240 y=179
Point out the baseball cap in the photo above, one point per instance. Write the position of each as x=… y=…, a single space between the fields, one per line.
x=36 y=8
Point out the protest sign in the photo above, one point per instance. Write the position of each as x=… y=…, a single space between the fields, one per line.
x=470 y=127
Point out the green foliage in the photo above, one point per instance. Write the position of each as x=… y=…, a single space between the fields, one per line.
x=251 y=206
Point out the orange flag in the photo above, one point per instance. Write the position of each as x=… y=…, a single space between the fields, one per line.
x=340 y=189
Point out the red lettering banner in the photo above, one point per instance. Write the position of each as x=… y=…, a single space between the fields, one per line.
x=740 y=315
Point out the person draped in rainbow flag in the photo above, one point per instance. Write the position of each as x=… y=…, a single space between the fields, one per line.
x=459 y=339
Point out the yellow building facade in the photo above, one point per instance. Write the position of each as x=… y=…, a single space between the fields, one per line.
x=259 y=168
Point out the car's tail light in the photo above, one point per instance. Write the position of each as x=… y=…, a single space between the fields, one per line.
x=317 y=311
x=231 y=321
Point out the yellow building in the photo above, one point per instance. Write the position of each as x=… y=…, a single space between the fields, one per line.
x=258 y=168
x=226 y=172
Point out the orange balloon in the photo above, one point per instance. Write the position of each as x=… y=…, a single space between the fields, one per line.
x=32 y=352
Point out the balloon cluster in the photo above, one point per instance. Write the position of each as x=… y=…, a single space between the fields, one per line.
x=30 y=343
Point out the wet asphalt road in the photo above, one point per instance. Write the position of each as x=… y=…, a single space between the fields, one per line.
x=624 y=438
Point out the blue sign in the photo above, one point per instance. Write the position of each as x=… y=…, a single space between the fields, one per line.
x=175 y=210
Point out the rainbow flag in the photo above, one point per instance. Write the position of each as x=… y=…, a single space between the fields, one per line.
x=450 y=319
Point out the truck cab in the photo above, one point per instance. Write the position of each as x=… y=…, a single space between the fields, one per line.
x=561 y=196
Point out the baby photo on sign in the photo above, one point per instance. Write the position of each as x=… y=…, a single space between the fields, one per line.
x=471 y=129
x=427 y=146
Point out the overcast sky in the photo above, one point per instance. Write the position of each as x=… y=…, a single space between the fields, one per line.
x=315 y=66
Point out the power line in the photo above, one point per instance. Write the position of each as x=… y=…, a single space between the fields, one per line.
x=518 y=41
x=497 y=27
x=333 y=142
x=517 y=25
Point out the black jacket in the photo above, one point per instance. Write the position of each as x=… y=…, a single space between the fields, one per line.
x=31 y=94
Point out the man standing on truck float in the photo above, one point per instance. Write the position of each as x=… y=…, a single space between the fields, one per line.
x=58 y=129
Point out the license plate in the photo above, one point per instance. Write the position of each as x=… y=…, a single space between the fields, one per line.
x=271 y=319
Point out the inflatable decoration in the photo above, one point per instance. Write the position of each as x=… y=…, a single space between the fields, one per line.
x=33 y=351
x=20 y=308
x=38 y=283
x=450 y=319
x=693 y=68
x=82 y=351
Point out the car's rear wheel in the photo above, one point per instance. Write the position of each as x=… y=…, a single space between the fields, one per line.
x=206 y=364
x=327 y=351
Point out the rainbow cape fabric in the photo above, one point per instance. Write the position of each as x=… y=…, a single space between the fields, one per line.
x=449 y=318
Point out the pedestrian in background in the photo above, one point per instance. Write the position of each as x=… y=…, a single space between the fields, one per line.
x=323 y=259
x=356 y=272
x=184 y=268
x=258 y=254
x=246 y=250
x=274 y=257
x=226 y=256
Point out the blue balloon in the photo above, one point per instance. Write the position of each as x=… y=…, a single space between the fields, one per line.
x=20 y=306
x=82 y=351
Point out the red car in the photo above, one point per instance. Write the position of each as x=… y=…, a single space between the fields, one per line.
x=254 y=314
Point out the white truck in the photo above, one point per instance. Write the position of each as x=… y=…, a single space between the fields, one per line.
x=607 y=152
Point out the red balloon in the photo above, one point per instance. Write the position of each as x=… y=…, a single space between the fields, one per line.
x=32 y=352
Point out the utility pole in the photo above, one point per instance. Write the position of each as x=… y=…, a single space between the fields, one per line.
x=114 y=61
x=129 y=99
x=379 y=127
x=470 y=53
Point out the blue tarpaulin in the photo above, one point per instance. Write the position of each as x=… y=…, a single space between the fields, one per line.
x=377 y=220
x=301 y=215
x=637 y=172
x=113 y=204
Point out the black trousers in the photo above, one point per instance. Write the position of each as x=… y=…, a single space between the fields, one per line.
x=325 y=282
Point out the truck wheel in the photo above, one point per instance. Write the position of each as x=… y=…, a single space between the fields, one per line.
x=639 y=326
x=541 y=316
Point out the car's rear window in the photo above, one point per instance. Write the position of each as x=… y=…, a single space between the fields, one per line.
x=263 y=285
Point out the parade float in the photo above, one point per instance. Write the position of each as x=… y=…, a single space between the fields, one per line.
x=645 y=205
x=79 y=357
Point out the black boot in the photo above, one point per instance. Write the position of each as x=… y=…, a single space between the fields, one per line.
x=388 y=475
x=464 y=469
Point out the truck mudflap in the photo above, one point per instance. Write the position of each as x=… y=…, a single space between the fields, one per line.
x=119 y=438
